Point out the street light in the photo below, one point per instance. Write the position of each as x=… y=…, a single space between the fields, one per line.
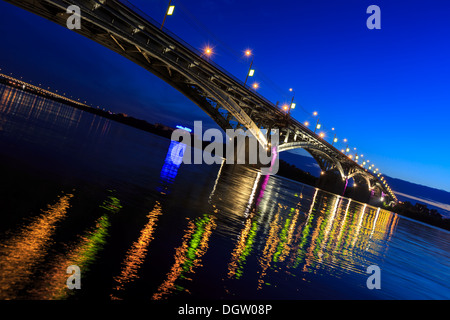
x=292 y=105
x=207 y=51
x=169 y=12
x=251 y=71
x=334 y=139
x=292 y=100
x=318 y=125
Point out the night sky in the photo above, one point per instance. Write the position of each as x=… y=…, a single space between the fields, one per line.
x=387 y=91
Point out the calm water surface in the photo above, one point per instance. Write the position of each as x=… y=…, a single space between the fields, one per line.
x=77 y=189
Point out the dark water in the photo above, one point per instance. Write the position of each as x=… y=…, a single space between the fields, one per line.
x=77 y=189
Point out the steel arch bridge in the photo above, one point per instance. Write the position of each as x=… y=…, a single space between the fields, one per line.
x=119 y=26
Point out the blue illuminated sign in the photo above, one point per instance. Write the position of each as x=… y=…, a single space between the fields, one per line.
x=184 y=128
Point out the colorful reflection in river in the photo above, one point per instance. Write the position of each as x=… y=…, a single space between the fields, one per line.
x=26 y=248
x=188 y=255
x=171 y=165
x=135 y=256
x=184 y=231
x=321 y=234
x=333 y=237
x=83 y=253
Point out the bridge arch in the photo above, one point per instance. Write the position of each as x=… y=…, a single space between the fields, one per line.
x=363 y=176
x=315 y=152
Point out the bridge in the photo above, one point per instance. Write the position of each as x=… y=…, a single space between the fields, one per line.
x=119 y=26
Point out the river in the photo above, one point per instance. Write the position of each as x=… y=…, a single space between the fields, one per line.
x=78 y=189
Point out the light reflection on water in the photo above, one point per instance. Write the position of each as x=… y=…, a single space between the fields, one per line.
x=25 y=248
x=171 y=231
x=52 y=284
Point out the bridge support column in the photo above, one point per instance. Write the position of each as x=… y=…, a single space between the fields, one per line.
x=359 y=193
x=331 y=181
x=378 y=197
x=345 y=186
x=246 y=153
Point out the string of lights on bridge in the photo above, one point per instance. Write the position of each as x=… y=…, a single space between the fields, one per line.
x=208 y=52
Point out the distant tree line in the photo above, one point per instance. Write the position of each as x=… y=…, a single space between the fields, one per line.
x=422 y=213
x=292 y=172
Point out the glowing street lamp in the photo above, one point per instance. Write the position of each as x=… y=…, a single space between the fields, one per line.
x=334 y=139
x=169 y=12
x=208 y=51
x=318 y=125
x=251 y=72
x=255 y=85
x=292 y=105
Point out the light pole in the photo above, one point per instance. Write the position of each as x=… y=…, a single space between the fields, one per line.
x=334 y=139
x=292 y=105
x=317 y=125
x=169 y=12
x=250 y=72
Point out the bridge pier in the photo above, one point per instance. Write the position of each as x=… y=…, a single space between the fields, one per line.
x=247 y=152
x=378 y=197
x=359 y=193
x=331 y=181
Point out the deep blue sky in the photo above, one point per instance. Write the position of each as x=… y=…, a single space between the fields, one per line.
x=387 y=91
